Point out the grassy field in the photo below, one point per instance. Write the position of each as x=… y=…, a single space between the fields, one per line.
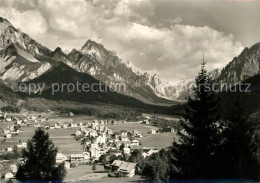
x=158 y=141
x=128 y=126
x=62 y=138
x=66 y=143
x=152 y=141
x=84 y=172
x=161 y=116
x=2 y=104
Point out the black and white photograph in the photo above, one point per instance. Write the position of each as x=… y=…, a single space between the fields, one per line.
x=114 y=91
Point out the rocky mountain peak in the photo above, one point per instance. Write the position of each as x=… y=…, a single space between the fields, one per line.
x=246 y=65
x=58 y=50
x=4 y=24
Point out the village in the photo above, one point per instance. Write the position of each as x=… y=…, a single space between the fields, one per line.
x=89 y=148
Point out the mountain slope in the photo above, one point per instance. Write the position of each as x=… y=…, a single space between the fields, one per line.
x=63 y=74
x=17 y=65
x=10 y=35
x=21 y=58
x=106 y=66
x=246 y=65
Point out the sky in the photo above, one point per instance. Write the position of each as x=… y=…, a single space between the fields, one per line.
x=164 y=37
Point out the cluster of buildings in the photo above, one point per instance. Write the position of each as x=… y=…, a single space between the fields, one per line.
x=10 y=172
x=10 y=130
x=19 y=120
x=97 y=140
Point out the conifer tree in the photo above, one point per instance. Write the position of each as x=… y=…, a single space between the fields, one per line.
x=239 y=150
x=195 y=152
x=40 y=160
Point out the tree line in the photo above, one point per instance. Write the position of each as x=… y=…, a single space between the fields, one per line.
x=210 y=145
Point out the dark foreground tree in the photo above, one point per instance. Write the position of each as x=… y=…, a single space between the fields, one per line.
x=157 y=166
x=194 y=153
x=40 y=160
x=239 y=150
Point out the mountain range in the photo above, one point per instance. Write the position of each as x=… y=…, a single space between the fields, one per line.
x=23 y=59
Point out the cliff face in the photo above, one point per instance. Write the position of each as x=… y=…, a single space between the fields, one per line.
x=244 y=66
x=21 y=57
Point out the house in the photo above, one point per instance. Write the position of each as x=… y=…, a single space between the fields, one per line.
x=13 y=168
x=67 y=165
x=10 y=127
x=9 y=175
x=8 y=136
x=65 y=125
x=95 y=153
x=135 y=142
x=22 y=145
x=86 y=131
x=124 y=136
x=101 y=139
x=18 y=122
x=86 y=155
x=93 y=133
x=80 y=124
x=139 y=136
x=73 y=125
x=109 y=131
x=33 y=118
x=171 y=129
x=97 y=128
x=127 y=169
x=60 y=158
x=134 y=147
x=153 y=131
x=78 y=133
x=123 y=133
x=7 y=131
x=57 y=125
x=150 y=152
x=93 y=125
x=9 y=149
x=127 y=143
x=102 y=128
x=8 y=119
x=76 y=158
x=146 y=122
x=116 y=164
x=43 y=119
x=127 y=150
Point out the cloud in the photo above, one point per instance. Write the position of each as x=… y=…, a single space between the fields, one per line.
x=173 y=52
x=31 y=21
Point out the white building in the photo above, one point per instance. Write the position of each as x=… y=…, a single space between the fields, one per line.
x=8 y=136
x=67 y=165
x=135 y=142
x=60 y=157
x=76 y=158
x=78 y=133
x=13 y=168
x=57 y=125
x=127 y=150
x=9 y=175
x=101 y=139
x=153 y=131
x=127 y=169
x=22 y=145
